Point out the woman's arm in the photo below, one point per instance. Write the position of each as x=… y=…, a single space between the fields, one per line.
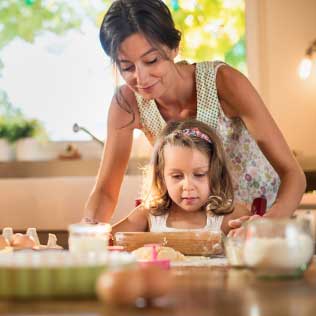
x=239 y=99
x=136 y=221
x=103 y=198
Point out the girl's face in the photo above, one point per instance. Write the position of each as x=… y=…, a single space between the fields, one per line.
x=186 y=175
x=143 y=67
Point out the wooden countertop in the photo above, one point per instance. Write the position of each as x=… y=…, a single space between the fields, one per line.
x=200 y=291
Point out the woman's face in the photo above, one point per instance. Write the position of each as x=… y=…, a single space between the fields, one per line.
x=186 y=174
x=144 y=68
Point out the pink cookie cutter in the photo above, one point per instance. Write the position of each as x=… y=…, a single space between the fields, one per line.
x=162 y=263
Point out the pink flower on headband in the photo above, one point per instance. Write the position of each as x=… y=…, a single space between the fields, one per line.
x=195 y=132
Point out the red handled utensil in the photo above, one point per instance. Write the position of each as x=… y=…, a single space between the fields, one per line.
x=138 y=202
x=259 y=206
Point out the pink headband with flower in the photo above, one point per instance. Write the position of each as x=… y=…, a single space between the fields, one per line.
x=195 y=132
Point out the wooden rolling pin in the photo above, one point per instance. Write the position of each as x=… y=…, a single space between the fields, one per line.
x=189 y=243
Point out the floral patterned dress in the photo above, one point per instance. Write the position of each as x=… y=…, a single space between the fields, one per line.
x=252 y=174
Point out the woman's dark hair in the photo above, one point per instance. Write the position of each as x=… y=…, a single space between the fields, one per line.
x=151 y=18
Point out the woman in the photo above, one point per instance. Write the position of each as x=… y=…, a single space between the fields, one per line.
x=141 y=39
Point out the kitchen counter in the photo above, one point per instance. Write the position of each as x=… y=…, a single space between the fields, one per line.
x=89 y=167
x=216 y=290
x=52 y=203
x=61 y=168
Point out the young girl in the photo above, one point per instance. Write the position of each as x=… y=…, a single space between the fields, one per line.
x=191 y=188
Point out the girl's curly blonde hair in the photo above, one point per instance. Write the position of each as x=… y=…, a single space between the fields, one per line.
x=155 y=195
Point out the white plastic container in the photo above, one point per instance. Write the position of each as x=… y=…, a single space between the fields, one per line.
x=234 y=250
x=85 y=238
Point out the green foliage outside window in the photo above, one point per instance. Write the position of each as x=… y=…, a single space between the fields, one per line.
x=26 y=19
x=14 y=125
x=211 y=29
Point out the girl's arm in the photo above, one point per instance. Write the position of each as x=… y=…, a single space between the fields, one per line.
x=239 y=99
x=136 y=221
x=103 y=198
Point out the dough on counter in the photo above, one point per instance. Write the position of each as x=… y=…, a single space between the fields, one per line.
x=6 y=250
x=3 y=242
x=145 y=253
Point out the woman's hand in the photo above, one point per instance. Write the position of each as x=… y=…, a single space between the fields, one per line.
x=236 y=224
x=88 y=220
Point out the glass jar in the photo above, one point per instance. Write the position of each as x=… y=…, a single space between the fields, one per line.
x=89 y=237
x=234 y=250
x=278 y=247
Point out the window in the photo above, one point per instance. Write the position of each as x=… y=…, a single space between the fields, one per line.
x=63 y=77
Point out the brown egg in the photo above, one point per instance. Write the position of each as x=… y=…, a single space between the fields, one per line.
x=121 y=286
x=158 y=282
x=3 y=242
x=22 y=241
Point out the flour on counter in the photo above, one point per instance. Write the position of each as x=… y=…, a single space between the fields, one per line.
x=199 y=261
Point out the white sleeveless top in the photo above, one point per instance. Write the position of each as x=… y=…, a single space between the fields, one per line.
x=252 y=174
x=158 y=224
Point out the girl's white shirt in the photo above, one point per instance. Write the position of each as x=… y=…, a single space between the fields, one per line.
x=158 y=224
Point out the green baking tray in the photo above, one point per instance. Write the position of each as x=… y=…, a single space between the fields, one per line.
x=55 y=274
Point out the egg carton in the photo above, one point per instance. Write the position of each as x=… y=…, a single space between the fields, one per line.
x=31 y=236
x=55 y=274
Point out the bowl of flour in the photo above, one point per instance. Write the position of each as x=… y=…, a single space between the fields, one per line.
x=278 y=247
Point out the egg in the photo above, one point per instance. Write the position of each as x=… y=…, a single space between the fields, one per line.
x=3 y=242
x=158 y=282
x=121 y=286
x=22 y=241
